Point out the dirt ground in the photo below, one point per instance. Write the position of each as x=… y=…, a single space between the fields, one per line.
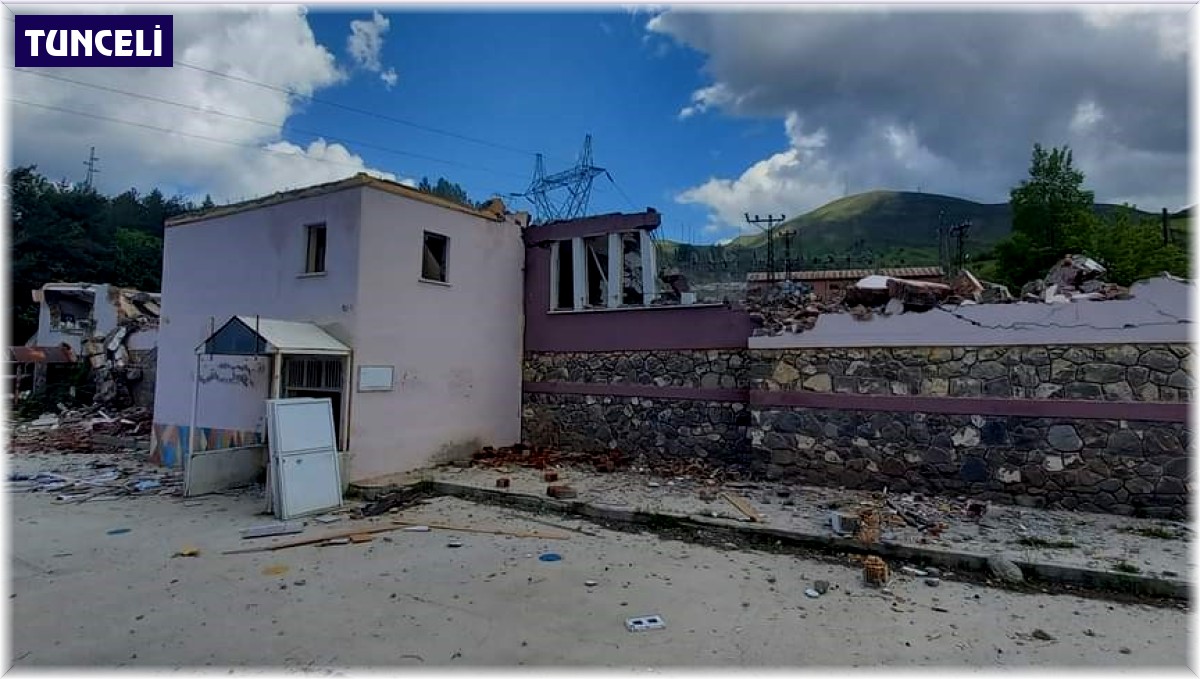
x=84 y=597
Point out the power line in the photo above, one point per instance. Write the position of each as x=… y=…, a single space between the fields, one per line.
x=255 y=121
x=185 y=134
x=353 y=109
x=361 y=111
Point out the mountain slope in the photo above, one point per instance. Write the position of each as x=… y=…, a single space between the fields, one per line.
x=884 y=220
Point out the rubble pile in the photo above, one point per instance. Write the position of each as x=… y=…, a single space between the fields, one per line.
x=1075 y=278
x=113 y=372
x=72 y=431
x=99 y=479
x=541 y=457
x=786 y=307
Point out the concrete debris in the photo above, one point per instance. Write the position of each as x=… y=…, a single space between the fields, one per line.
x=1074 y=278
x=541 y=457
x=108 y=481
x=1004 y=569
x=645 y=622
x=84 y=430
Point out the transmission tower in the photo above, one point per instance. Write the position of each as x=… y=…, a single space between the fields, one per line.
x=576 y=181
x=91 y=168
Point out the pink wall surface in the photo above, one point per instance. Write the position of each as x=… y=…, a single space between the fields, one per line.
x=249 y=263
x=455 y=348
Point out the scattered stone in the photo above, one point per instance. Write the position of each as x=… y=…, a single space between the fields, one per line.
x=1043 y=635
x=1004 y=569
x=454 y=544
x=811 y=593
x=1125 y=650
x=821 y=586
x=933 y=572
x=590 y=583
x=771 y=579
x=300 y=583
x=933 y=582
x=913 y=571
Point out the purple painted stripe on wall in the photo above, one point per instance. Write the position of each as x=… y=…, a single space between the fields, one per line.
x=636 y=390
x=1083 y=410
x=1000 y=407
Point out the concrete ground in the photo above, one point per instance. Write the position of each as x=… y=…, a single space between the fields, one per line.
x=84 y=597
x=1156 y=547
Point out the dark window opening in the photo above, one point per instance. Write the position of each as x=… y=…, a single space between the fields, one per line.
x=315 y=259
x=565 y=286
x=596 y=251
x=433 y=261
x=631 y=269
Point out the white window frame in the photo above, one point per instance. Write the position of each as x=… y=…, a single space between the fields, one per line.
x=615 y=271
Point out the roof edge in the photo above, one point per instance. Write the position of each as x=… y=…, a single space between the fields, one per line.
x=362 y=179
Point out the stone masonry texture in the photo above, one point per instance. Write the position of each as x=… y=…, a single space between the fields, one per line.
x=1115 y=466
x=1134 y=468
x=725 y=369
x=653 y=429
x=1155 y=373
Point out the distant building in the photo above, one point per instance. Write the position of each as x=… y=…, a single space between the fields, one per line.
x=114 y=329
x=828 y=285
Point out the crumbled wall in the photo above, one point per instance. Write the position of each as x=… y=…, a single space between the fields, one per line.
x=1122 y=372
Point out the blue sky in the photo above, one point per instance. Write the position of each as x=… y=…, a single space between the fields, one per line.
x=702 y=115
x=541 y=82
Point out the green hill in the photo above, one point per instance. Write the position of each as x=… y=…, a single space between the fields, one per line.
x=887 y=227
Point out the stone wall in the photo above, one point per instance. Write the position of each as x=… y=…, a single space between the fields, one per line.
x=1120 y=467
x=712 y=369
x=1148 y=372
x=656 y=429
x=725 y=407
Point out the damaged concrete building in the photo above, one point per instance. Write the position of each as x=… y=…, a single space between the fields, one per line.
x=113 y=329
x=438 y=329
x=403 y=308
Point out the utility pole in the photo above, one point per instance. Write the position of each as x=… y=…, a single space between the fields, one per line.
x=787 y=257
x=959 y=233
x=770 y=221
x=91 y=168
x=1166 y=226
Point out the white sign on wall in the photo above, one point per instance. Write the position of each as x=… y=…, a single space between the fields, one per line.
x=375 y=377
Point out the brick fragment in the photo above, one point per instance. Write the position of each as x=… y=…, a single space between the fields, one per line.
x=561 y=492
x=502 y=483
x=550 y=477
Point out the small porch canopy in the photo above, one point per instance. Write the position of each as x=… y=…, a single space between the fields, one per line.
x=257 y=336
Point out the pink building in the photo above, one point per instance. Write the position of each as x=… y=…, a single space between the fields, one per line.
x=403 y=308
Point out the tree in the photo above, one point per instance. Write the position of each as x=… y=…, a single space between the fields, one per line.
x=1052 y=215
x=1132 y=248
x=1052 y=202
x=448 y=190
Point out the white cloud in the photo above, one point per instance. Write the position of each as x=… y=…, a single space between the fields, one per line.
x=252 y=159
x=389 y=78
x=365 y=46
x=950 y=102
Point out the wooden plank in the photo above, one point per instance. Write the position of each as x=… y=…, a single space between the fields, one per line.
x=742 y=506
x=272 y=529
x=354 y=533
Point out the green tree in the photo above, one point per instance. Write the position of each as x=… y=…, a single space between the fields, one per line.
x=137 y=261
x=1051 y=205
x=448 y=190
x=1132 y=248
x=1052 y=216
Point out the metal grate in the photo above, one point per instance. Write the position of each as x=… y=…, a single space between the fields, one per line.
x=325 y=374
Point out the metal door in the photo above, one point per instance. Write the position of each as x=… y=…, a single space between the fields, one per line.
x=304 y=458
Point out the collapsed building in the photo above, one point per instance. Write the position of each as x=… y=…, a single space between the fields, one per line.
x=114 y=330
